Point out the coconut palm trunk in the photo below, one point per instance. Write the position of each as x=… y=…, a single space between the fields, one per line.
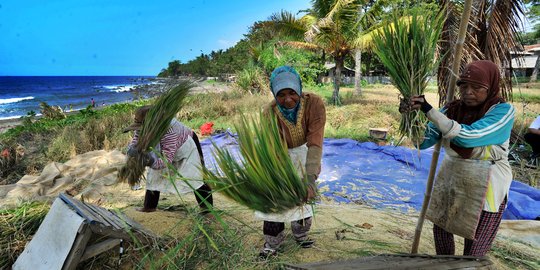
x=358 y=60
x=449 y=97
x=337 y=80
x=358 y=72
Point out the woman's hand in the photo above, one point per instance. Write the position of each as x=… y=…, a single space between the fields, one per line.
x=311 y=193
x=147 y=158
x=419 y=102
x=311 y=188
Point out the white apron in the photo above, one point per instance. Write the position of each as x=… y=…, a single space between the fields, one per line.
x=187 y=162
x=298 y=157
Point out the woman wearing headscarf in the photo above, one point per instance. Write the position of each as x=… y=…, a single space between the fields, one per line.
x=179 y=147
x=471 y=188
x=301 y=119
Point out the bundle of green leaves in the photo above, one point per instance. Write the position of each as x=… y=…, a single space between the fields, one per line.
x=155 y=125
x=265 y=178
x=407 y=47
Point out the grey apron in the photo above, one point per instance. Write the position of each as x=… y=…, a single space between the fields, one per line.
x=458 y=195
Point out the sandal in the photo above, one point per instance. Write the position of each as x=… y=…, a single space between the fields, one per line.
x=267 y=252
x=305 y=243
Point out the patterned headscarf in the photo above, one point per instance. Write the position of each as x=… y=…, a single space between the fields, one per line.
x=286 y=77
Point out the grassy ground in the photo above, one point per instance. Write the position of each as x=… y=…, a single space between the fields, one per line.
x=233 y=238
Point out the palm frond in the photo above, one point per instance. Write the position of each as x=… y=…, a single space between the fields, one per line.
x=286 y=24
x=491 y=36
x=336 y=15
x=299 y=45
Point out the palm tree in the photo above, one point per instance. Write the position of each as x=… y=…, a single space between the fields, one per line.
x=329 y=27
x=492 y=34
x=368 y=19
x=336 y=28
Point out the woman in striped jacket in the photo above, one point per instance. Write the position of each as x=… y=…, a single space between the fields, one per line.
x=474 y=131
x=180 y=148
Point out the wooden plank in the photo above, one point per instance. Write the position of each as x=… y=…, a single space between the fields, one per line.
x=460 y=264
x=400 y=261
x=143 y=234
x=99 y=248
x=77 y=249
x=110 y=232
x=80 y=208
x=102 y=219
x=117 y=220
x=52 y=243
x=107 y=216
x=106 y=223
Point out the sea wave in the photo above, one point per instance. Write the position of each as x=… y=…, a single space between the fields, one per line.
x=15 y=117
x=119 y=88
x=13 y=100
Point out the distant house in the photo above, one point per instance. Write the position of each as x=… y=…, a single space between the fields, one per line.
x=347 y=74
x=523 y=62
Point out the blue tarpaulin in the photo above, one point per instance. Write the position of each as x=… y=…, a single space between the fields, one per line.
x=383 y=176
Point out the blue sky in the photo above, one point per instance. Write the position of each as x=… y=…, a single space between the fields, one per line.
x=117 y=37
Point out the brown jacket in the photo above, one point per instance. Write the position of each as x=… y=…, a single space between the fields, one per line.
x=309 y=130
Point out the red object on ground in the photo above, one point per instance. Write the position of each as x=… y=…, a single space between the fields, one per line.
x=206 y=128
x=5 y=153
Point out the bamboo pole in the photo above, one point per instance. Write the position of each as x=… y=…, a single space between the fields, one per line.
x=458 y=50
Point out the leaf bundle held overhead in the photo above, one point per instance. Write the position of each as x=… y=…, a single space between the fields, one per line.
x=265 y=178
x=407 y=48
x=155 y=125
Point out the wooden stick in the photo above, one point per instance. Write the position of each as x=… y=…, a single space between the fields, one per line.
x=458 y=51
x=96 y=249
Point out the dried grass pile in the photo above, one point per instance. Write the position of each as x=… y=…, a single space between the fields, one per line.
x=17 y=226
x=156 y=124
x=264 y=178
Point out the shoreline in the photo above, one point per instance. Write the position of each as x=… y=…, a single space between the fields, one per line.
x=7 y=124
x=201 y=87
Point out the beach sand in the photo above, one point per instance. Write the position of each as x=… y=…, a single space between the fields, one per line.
x=6 y=124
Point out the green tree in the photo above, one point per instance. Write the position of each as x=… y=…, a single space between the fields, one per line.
x=174 y=68
x=336 y=28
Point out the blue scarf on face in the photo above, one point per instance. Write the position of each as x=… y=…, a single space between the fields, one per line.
x=290 y=114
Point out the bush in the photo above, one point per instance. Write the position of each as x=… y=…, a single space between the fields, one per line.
x=51 y=112
x=252 y=80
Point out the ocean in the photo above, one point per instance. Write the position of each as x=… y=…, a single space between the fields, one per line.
x=22 y=94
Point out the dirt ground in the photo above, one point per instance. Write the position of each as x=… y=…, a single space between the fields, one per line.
x=341 y=231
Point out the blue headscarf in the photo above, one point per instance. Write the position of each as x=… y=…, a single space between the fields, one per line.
x=286 y=77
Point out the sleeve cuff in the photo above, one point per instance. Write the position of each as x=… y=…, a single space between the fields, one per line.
x=449 y=128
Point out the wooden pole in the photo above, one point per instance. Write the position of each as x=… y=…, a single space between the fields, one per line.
x=458 y=50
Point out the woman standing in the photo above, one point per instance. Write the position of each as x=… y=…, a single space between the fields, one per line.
x=471 y=188
x=301 y=119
